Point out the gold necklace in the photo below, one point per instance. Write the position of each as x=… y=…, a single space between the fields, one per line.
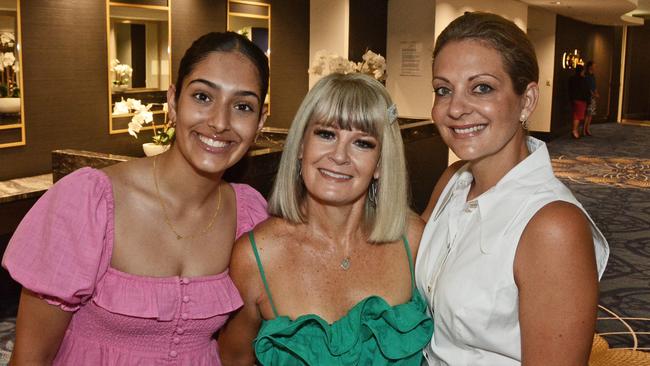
x=168 y=221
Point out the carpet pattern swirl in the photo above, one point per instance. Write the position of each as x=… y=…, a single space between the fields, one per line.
x=609 y=174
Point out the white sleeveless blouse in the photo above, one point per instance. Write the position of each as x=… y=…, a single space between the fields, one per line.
x=464 y=267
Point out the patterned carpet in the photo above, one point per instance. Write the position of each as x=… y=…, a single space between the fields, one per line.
x=7 y=327
x=609 y=174
x=620 y=172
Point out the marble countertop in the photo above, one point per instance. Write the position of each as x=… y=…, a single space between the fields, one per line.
x=23 y=188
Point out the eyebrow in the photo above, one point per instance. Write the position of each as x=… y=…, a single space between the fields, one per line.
x=471 y=77
x=210 y=84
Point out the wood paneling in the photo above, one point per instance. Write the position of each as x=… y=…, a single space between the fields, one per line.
x=66 y=81
x=289 y=59
x=190 y=20
x=636 y=96
x=65 y=85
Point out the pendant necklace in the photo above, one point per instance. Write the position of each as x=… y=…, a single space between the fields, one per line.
x=166 y=217
x=345 y=263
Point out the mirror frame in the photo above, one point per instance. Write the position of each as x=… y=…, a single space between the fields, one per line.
x=21 y=125
x=111 y=128
x=254 y=16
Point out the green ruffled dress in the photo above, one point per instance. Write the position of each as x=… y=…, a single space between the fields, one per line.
x=371 y=333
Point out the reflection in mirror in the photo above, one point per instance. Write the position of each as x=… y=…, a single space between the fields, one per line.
x=12 y=125
x=253 y=20
x=139 y=57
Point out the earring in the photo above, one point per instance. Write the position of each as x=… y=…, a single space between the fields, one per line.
x=372 y=192
x=524 y=121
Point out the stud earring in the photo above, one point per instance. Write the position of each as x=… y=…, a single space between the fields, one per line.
x=524 y=121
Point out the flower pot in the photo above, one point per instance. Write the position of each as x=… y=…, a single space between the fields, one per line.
x=119 y=88
x=151 y=149
x=9 y=105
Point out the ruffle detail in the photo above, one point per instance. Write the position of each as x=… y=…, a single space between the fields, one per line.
x=160 y=298
x=372 y=332
x=251 y=208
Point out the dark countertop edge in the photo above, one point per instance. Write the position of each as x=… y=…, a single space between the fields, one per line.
x=416 y=124
x=27 y=193
x=93 y=154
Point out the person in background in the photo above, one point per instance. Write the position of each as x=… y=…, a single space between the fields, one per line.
x=129 y=265
x=593 y=93
x=580 y=96
x=328 y=280
x=509 y=260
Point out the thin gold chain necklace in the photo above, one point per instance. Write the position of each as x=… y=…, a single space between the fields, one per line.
x=164 y=210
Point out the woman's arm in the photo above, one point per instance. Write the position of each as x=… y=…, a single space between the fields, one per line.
x=40 y=328
x=555 y=271
x=439 y=187
x=236 y=338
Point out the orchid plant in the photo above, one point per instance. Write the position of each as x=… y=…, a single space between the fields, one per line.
x=325 y=63
x=121 y=73
x=9 y=67
x=143 y=115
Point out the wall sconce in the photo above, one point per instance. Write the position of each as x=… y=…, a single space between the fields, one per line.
x=571 y=59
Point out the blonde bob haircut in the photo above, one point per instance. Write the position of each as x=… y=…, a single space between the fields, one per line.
x=352 y=101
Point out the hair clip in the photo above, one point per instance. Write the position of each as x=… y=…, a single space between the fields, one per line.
x=392 y=113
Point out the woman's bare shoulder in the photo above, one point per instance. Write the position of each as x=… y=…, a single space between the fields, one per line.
x=132 y=174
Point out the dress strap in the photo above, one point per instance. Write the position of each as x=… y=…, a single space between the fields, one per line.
x=251 y=237
x=408 y=253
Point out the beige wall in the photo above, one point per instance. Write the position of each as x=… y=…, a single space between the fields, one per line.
x=448 y=10
x=328 y=29
x=541 y=31
x=410 y=21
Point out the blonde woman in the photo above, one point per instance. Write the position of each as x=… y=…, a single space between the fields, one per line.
x=328 y=280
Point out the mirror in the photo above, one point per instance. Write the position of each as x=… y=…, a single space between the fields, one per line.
x=253 y=20
x=139 y=54
x=12 y=122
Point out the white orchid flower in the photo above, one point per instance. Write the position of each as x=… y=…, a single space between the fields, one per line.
x=7 y=39
x=8 y=59
x=134 y=104
x=134 y=129
x=121 y=107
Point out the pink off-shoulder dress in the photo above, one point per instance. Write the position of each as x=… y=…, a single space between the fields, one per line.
x=62 y=251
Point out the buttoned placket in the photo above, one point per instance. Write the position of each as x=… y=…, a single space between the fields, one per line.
x=459 y=212
x=184 y=316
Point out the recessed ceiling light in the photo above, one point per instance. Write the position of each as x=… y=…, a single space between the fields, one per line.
x=556 y=3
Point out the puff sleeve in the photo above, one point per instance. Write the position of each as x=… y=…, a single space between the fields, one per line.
x=63 y=245
x=251 y=208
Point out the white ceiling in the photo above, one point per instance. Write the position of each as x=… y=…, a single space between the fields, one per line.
x=602 y=12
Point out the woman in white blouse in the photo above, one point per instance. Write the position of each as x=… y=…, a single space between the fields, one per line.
x=509 y=261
